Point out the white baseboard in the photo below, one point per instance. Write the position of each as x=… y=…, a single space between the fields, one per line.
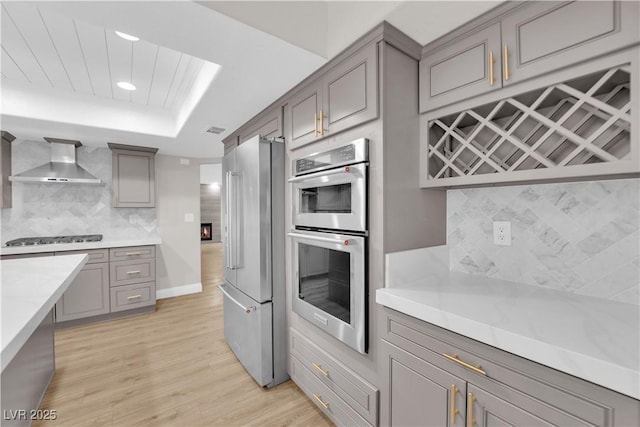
x=176 y=291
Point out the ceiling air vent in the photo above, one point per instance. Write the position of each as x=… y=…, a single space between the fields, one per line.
x=214 y=129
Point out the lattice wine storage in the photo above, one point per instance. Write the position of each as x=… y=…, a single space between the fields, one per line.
x=577 y=128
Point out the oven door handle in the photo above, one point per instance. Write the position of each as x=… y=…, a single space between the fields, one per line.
x=345 y=169
x=344 y=242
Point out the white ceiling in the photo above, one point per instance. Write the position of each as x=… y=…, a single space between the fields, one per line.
x=61 y=60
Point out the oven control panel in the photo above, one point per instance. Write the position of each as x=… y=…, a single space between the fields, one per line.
x=353 y=152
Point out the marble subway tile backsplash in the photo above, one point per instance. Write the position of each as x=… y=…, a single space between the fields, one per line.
x=62 y=209
x=579 y=237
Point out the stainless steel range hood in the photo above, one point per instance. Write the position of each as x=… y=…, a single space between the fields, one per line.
x=61 y=169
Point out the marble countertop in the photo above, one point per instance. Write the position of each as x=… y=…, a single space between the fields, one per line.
x=61 y=247
x=593 y=339
x=30 y=289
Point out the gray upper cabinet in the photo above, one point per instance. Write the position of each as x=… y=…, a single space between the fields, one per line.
x=545 y=36
x=133 y=176
x=304 y=108
x=344 y=97
x=5 y=169
x=268 y=125
x=524 y=42
x=464 y=69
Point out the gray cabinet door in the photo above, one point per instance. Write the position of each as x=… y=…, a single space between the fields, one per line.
x=461 y=70
x=133 y=179
x=268 y=125
x=87 y=296
x=420 y=394
x=512 y=409
x=544 y=36
x=350 y=92
x=304 y=108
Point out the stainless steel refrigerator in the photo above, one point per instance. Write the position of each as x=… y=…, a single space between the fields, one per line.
x=253 y=236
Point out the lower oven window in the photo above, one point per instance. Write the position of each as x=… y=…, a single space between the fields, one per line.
x=325 y=280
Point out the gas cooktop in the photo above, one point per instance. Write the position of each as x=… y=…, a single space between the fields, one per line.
x=28 y=241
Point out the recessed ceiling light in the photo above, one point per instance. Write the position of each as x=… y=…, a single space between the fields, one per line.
x=127 y=36
x=126 y=86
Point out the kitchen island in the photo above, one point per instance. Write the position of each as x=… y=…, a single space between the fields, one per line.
x=30 y=289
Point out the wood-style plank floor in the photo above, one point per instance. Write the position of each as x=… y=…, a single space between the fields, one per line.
x=170 y=368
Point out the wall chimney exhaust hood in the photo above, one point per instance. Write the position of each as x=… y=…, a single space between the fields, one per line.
x=61 y=169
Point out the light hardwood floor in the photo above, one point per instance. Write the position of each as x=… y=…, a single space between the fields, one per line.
x=170 y=368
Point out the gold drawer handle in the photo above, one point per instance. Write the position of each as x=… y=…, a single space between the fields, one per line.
x=133 y=272
x=452 y=404
x=325 y=405
x=134 y=296
x=470 y=420
x=319 y=368
x=454 y=358
x=133 y=253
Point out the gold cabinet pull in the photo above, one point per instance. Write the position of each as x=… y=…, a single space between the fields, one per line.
x=452 y=404
x=315 y=124
x=325 y=405
x=470 y=420
x=492 y=79
x=133 y=253
x=133 y=272
x=454 y=358
x=134 y=297
x=319 y=368
x=505 y=61
x=322 y=129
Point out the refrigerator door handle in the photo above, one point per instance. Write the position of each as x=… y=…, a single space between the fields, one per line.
x=233 y=262
x=227 y=223
x=246 y=309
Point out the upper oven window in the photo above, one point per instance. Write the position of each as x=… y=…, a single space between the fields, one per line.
x=326 y=199
x=325 y=279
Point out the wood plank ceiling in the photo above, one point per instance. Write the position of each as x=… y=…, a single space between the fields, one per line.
x=44 y=48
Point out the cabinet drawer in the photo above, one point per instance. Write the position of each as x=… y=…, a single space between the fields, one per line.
x=335 y=408
x=132 y=252
x=130 y=272
x=133 y=296
x=95 y=255
x=359 y=394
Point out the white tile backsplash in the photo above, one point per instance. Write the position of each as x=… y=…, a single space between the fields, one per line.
x=581 y=237
x=62 y=209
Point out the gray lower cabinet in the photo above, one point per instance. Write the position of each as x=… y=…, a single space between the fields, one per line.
x=87 y=296
x=132 y=278
x=133 y=176
x=344 y=97
x=434 y=377
x=339 y=392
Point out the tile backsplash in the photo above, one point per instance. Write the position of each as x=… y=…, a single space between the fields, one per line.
x=62 y=209
x=579 y=237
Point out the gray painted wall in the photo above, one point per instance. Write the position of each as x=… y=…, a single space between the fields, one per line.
x=579 y=237
x=58 y=209
x=177 y=194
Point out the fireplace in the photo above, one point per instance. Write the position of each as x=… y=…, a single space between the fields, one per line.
x=205 y=231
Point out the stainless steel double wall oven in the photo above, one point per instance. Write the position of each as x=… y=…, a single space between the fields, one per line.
x=329 y=241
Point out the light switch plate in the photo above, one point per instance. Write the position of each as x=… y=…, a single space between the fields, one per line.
x=188 y=217
x=502 y=233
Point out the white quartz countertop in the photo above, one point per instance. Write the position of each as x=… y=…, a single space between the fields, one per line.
x=62 y=247
x=30 y=288
x=591 y=338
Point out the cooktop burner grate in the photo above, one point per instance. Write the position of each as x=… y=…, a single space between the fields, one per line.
x=28 y=241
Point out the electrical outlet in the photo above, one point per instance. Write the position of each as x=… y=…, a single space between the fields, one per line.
x=502 y=233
